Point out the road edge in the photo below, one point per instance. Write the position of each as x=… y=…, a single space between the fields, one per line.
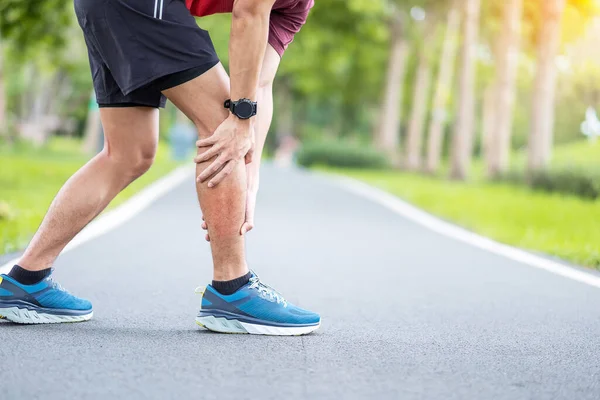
x=435 y=224
x=123 y=213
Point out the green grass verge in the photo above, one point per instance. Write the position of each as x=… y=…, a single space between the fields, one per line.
x=580 y=154
x=562 y=226
x=30 y=178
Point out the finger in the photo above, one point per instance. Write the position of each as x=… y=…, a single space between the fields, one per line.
x=204 y=226
x=224 y=173
x=209 y=141
x=211 y=169
x=207 y=155
x=247 y=227
x=249 y=156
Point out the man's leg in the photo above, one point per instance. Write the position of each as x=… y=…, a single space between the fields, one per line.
x=201 y=99
x=28 y=294
x=247 y=305
x=261 y=129
x=131 y=137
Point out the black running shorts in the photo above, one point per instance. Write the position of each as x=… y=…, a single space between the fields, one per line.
x=139 y=47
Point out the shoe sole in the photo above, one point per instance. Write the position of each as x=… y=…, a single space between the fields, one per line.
x=224 y=325
x=31 y=317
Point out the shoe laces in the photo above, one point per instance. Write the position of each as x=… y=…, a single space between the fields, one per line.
x=57 y=286
x=266 y=291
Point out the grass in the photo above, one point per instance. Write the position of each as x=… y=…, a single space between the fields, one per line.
x=30 y=178
x=562 y=226
x=581 y=154
x=559 y=225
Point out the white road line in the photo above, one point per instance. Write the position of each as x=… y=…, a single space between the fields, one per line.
x=422 y=218
x=114 y=218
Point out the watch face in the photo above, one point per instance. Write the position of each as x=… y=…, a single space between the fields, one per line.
x=243 y=109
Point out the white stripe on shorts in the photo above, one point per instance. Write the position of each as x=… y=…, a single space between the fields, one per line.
x=155 y=7
x=161 y=8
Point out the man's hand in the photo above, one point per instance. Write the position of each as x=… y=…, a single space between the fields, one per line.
x=231 y=142
x=250 y=207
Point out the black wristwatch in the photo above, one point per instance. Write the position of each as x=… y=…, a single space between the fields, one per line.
x=243 y=108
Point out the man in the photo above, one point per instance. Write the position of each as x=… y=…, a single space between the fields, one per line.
x=140 y=52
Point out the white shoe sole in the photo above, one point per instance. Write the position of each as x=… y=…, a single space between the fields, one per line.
x=224 y=325
x=25 y=316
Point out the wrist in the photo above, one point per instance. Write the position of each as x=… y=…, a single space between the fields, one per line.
x=240 y=121
x=243 y=108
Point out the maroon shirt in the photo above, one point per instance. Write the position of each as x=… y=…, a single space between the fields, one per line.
x=287 y=17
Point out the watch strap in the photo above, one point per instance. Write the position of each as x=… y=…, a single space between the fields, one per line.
x=231 y=106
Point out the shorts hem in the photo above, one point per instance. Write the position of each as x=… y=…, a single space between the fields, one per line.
x=125 y=105
x=183 y=67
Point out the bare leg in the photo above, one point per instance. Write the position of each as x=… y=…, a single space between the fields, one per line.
x=223 y=206
x=261 y=129
x=131 y=137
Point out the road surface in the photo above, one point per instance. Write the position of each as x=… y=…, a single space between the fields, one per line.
x=407 y=313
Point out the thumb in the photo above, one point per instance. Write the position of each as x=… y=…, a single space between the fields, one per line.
x=249 y=155
x=247 y=227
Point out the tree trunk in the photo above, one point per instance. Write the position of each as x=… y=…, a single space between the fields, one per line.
x=388 y=138
x=542 y=115
x=462 y=140
x=489 y=120
x=442 y=92
x=414 y=137
x=504 y=91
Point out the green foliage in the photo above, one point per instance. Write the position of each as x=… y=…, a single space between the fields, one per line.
x=6 y=212
x=338 y=60
x=34 y=24
x=340 y=154
x=576 y=182
x=563 y=226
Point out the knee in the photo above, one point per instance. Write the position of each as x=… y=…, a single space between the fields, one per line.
x=134 y=162
x=142 y=162
x=265 y=83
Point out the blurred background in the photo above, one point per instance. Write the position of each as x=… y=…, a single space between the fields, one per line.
x=479 y=111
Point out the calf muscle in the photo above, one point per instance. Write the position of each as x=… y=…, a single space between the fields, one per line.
x=223 y=206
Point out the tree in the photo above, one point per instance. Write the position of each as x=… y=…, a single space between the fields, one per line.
x=389 y=123
x=442 y=91
x=462 y=139
x=542 y=114
x=498 y=133
x=414 y=136
x=30 y=26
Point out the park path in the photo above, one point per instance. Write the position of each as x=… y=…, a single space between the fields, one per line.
x=407 y=313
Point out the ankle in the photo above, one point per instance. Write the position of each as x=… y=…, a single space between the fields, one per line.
x=231 y=286
x=31 y=261
x=28 y=277
x=227 y=273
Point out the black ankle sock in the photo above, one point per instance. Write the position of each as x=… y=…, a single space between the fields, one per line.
x=25 y=277
x=232 y=286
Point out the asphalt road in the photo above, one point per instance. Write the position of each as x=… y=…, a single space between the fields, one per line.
x=407 y=313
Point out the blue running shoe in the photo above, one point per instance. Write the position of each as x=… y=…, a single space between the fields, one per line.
x=256 y=309
x=46 y=302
